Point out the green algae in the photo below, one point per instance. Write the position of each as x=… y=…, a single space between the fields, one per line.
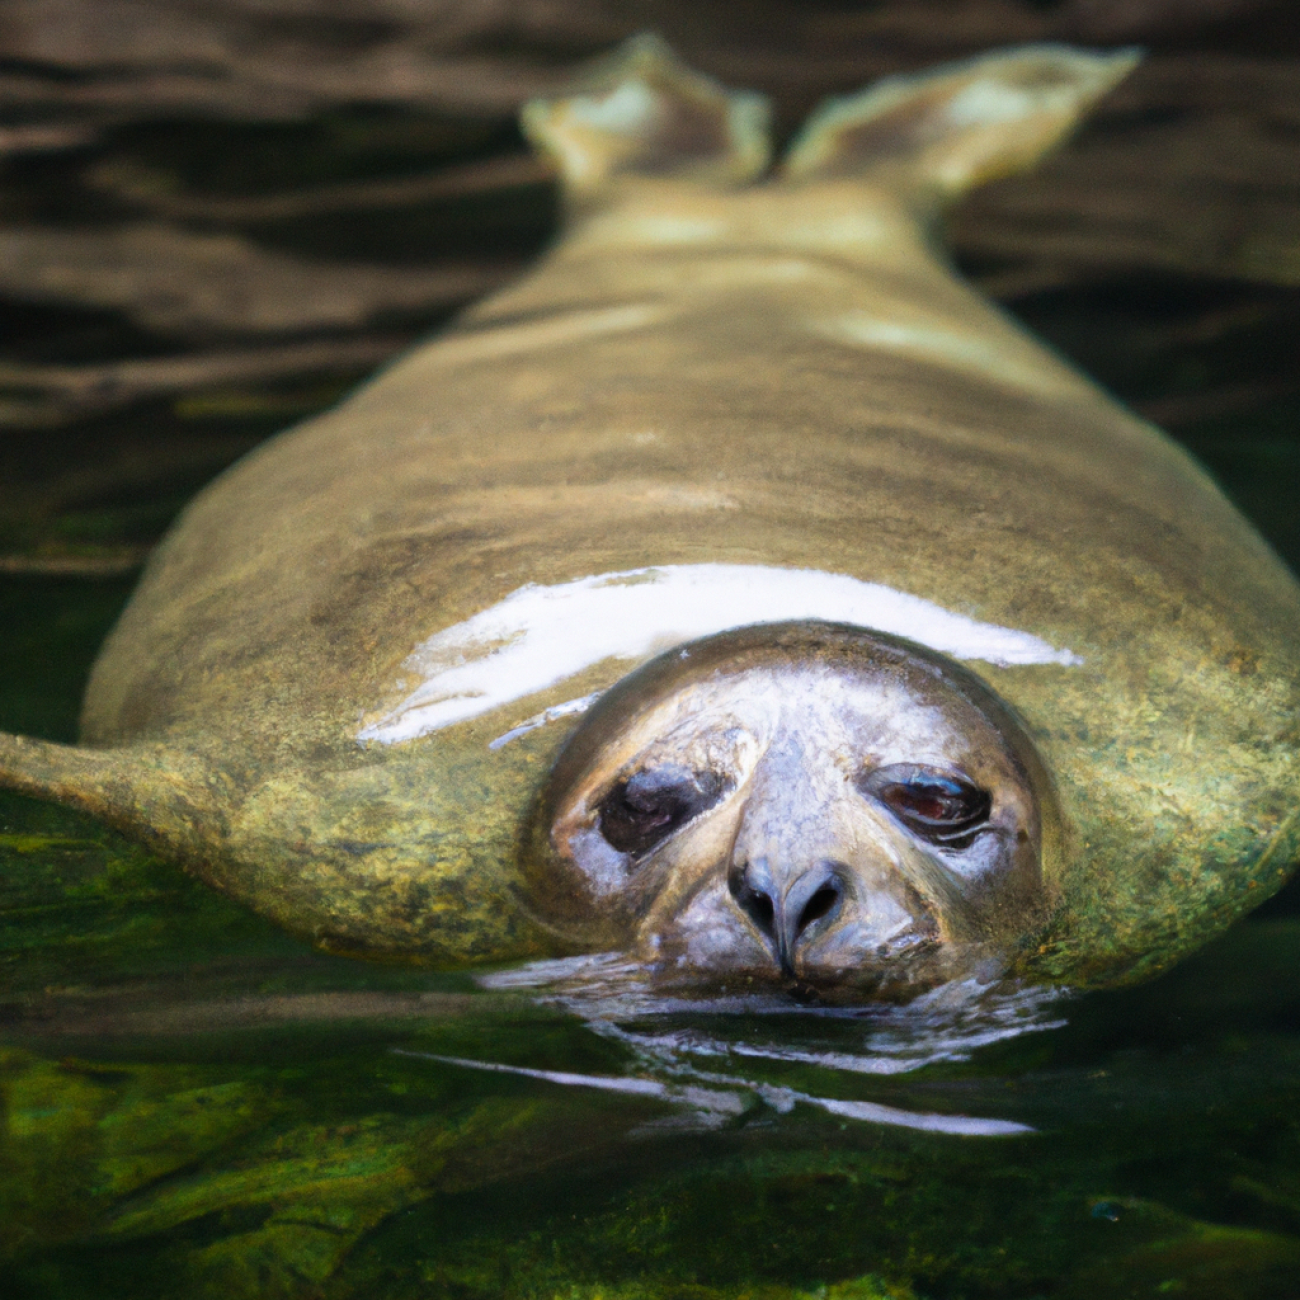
x=81 y=1136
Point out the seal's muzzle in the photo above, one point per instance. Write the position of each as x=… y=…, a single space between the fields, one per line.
x=804 y=803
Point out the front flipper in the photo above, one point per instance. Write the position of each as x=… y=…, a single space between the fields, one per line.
x=934 y=135
x=644 y=113
x=165 y=797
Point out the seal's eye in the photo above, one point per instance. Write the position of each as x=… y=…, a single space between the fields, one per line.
x=647 y=808
x=938 y=806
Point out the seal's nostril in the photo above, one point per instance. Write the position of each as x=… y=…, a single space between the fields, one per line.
x=761 y=908
x=783 y=917
x=818 y=906
x=756 y=904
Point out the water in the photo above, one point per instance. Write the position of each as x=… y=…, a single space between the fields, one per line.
x=200 y=1105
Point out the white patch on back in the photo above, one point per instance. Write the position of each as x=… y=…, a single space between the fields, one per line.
x=998 y=354
x=496 y=342
x=540 y=636
x=667 y=229
x=843 y=230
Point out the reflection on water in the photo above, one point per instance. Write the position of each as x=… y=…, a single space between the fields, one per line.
x=681 y=1042
x=539 y=636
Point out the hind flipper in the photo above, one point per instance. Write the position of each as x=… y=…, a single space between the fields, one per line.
x=642 y=112
x=937 y=134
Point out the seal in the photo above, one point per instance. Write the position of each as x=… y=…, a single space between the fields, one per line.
x=809 y=802
x=740 y=590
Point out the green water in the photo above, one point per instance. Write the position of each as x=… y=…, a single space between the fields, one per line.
x=200 y=1106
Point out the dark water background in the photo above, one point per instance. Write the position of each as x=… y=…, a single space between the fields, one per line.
x=201 y=1106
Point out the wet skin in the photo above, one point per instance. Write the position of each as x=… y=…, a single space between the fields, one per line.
x=803 y=804
x=754 y=371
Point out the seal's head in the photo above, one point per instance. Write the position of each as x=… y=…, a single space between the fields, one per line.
x=808 y=804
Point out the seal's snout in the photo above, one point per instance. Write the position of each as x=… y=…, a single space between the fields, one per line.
x=802 y=803
x=786 y=913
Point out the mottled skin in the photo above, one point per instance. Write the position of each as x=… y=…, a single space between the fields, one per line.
x=785 y=373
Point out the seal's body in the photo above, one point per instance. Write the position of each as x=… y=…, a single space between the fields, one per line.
x=719 y=402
